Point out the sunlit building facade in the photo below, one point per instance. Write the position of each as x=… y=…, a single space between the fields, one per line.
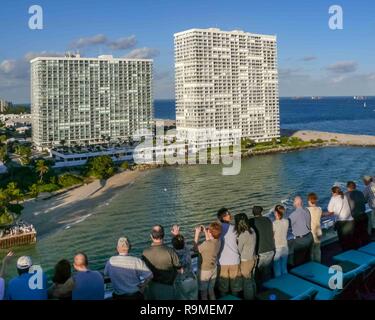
x=82 y=101
x=226 y=81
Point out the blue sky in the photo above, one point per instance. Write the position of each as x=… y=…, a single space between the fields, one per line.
x=313 y=59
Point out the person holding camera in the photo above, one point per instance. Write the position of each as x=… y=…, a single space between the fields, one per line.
x=208 y=254
x=186 y=284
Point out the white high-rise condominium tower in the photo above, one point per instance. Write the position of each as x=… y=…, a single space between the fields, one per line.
x=226 y=80
x=78 y=100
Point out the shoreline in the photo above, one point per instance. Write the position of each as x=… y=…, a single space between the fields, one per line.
x=68 y=207
x=329 y=139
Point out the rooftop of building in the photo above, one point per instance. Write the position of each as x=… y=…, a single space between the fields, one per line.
x=106 y=57
x=217 y=30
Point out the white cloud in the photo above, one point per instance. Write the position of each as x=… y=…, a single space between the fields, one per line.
x=309 y=58
x=89 y=41
x=143 y=53
x=343 y=67
x=123 y=43
x=31 y=55
x=7 y=66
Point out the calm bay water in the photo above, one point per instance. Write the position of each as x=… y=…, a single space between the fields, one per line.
x=191 y=195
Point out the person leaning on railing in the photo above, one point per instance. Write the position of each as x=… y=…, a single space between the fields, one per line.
x=208 y=257
x=246 y=240
x=2 y=273
x=357 y=204
x=339 y=207
x=229 y=258
x=164 y=264
x=369 y=193
x=186 y=283
x=300 y=222
x=316 y=230
x=129 y=275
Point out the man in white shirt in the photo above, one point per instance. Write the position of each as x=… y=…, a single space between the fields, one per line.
x=369 y=193
x=339 y=207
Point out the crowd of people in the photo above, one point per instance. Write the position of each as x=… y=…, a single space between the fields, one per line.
x=17 y=229
x=236 y=254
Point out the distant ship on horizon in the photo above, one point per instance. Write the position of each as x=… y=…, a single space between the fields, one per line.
x=359 y=98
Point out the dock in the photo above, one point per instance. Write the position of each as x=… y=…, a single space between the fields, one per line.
x=10 y=241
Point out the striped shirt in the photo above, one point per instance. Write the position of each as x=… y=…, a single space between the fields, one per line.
x=369 y=193
x=126 y=273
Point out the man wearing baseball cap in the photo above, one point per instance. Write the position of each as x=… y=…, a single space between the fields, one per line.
x=30 y=284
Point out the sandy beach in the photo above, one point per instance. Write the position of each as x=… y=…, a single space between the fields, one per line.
x=341 y=139
x=74 y=205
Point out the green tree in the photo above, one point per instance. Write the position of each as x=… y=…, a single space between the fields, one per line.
x=25 y=154
x=67 y=180
x=4 y=153
x=34 y=190
x=101 y=167
x=41 y=168
x=5 y=217
x=3 y=138
x=3 y=198
x=13 y=193
x=125 y=165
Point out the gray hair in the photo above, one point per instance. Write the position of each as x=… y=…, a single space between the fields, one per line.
x=123 y=243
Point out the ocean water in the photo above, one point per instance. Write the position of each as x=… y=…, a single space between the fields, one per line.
x=333 y=114
x=191 y=195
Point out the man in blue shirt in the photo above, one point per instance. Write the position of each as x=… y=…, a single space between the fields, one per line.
x=129 y=275
x=31 y=283
x=88 y=285
x=300 y=221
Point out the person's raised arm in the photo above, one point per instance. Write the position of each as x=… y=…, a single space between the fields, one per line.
x=197 y=234
x=175 y=230
x=4 y=263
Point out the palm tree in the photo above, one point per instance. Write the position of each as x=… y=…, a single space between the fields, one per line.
x=13 y=192
x=42 y=168
x=24 y=153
